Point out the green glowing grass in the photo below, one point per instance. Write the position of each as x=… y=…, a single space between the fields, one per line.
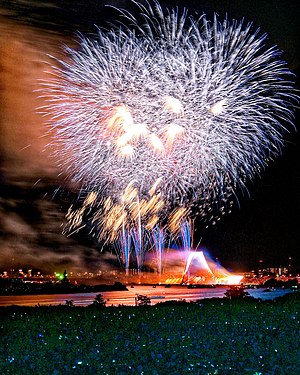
x=214 y=337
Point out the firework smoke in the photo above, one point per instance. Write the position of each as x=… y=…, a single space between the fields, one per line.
x=180 y=108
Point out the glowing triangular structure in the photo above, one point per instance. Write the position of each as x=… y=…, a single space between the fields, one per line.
x=196 y=263
x=200 y=270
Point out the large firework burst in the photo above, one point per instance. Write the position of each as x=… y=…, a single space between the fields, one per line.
x=188 y=107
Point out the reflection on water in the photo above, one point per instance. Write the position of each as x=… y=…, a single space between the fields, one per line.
x=158 y=294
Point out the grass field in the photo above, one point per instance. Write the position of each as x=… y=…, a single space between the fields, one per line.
x=210 y=337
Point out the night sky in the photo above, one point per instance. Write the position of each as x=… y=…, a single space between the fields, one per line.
x=34 y=197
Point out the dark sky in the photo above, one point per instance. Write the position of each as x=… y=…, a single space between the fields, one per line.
x=34 y=199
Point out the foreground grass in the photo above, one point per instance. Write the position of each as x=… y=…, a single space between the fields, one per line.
x=209 y=337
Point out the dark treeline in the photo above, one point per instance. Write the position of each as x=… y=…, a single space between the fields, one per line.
x=18 y=287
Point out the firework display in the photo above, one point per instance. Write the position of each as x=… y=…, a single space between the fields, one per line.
x=167 y=114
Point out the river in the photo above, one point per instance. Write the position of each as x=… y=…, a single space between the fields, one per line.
x=116 y=298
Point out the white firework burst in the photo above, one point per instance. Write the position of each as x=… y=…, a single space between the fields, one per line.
x=199 y=106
